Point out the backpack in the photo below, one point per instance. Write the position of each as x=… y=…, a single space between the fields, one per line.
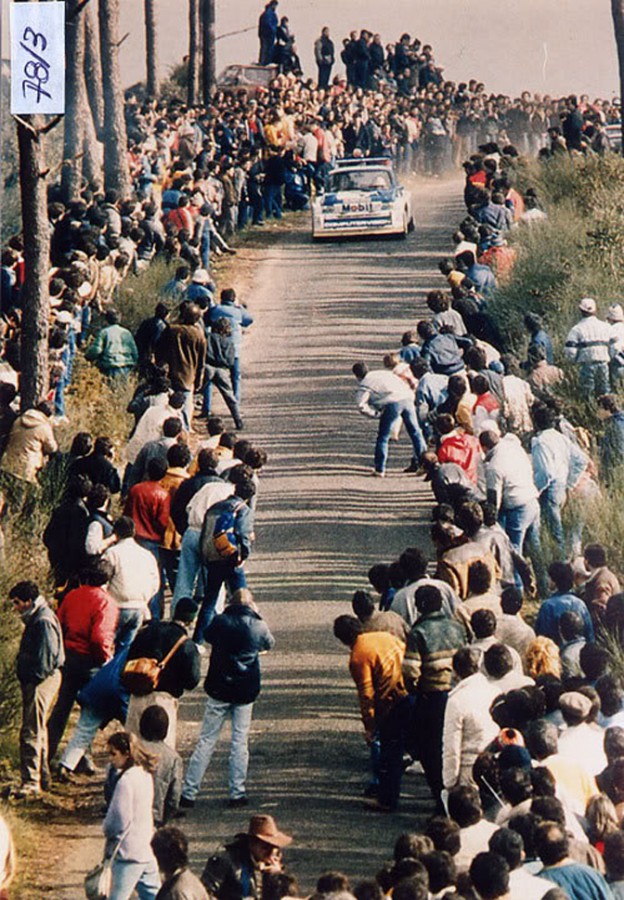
x=218 y=541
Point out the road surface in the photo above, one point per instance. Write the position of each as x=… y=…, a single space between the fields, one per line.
x=322 y=521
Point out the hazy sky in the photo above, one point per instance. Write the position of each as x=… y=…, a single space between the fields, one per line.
x=552 y=46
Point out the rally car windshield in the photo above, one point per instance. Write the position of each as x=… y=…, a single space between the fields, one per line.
x=364 y=180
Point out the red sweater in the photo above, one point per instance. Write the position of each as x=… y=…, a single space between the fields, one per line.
x=148 y=506
x=463 y=449
x=88 y=617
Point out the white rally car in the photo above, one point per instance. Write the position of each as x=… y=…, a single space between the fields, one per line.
x=362 y=197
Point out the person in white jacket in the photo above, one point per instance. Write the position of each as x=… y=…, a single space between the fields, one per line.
x=129 y=822
x=468 y=726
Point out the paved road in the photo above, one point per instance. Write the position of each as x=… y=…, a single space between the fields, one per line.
x=322 y=521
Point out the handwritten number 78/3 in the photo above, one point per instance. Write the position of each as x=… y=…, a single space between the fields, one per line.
x=37 y=69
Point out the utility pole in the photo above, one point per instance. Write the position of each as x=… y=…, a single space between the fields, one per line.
x=209 y=67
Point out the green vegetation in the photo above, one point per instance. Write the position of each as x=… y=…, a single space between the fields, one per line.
x=578 y=252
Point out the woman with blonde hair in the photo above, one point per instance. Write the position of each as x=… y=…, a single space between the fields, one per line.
x=129 y=824
x=601 y=820
x=542 y=658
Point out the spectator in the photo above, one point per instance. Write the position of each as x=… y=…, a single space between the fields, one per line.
x=113 y=350
x=170 y=848
x=237 y=637
x=38 y=664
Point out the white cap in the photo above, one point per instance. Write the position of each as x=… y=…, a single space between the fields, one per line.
x=200 y=276
x=616 y=313
x=587 y=305
x=64 y=317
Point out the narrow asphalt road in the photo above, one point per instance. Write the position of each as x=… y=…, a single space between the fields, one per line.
x=322 y=521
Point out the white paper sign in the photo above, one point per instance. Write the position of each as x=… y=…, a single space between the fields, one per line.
x=38 y=58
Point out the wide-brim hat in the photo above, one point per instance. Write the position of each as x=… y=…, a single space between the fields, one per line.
x=587 y=305
x=200 y=276
x=264 y=828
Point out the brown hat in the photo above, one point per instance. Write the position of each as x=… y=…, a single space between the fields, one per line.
x=576 y=703
x=264 y=829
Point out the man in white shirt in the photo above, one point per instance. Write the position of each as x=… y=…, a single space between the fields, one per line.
x=383 y=395
x=468 y=726
x=135 y=581
x=511 y=489
x=464 y=806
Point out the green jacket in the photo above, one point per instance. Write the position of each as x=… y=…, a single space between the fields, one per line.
x=431 y=645
x=113 y=348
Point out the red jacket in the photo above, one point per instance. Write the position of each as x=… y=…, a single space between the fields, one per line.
x=88 y=617
x=148 y=506
x=463 y=449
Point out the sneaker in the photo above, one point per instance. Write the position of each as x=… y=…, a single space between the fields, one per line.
x=186 y=803
x=86 y=766
x=379 y=474
x=235 y=802
x=64 y=775
x=25 y=792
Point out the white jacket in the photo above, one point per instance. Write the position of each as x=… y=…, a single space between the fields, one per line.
x=589 y=341
x=135 y=574
x=468 y=728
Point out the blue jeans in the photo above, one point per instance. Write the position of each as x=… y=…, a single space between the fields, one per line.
x=215 y=715
x=522 y=525
x=130 y=876
x=187 y=409
x=190 y=568
x=551 y=502
x=595 y=378
x=128 y=623
x=216 y=574
x=157 y=603
x=86 y=729
x=390 y=413
x=235 y=375
x=273 y=200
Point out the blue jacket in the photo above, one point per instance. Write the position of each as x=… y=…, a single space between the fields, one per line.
x=443 y=355
x=541 y=339
x=551 y=610
x=483 y=279
x=237 y=316
x=41 y=650
x=104 y=694
x=237 y=636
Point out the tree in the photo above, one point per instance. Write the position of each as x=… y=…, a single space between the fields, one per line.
x=617 y=12
x=76 y=106
x=93 y=69
x=34 y=295
x=194 y=53
x=116 y=168
x=209 y=68
x=151 y=48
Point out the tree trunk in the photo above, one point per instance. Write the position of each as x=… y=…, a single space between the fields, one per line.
x=34 y=378
x=151 y=49
x=75 y=103
x=209 y=67
x=92 y=149
x=617 y=11
x=194 y=53
x=93 y=69
x=116 y=170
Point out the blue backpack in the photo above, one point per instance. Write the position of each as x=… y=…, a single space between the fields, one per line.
x=218 y=541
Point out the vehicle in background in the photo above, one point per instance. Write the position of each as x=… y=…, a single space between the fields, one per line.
x=252 y=79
